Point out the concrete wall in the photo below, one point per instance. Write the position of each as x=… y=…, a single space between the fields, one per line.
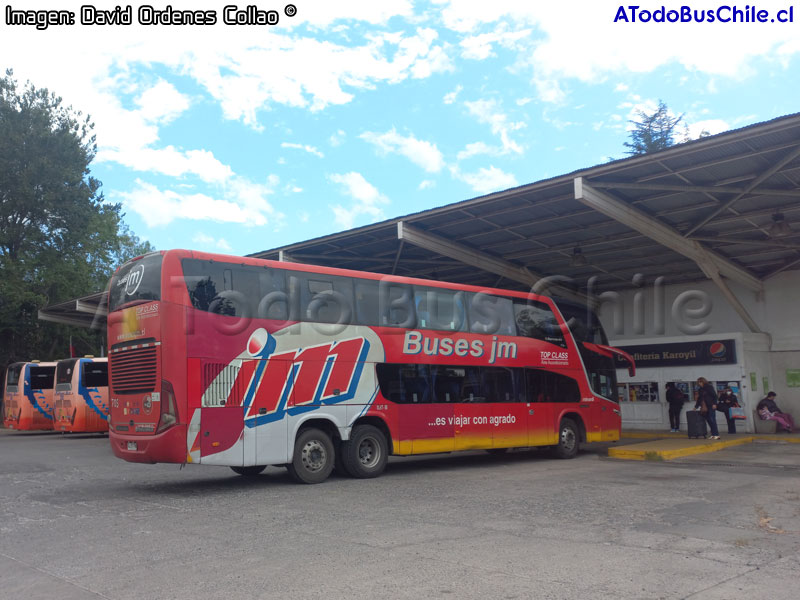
x=696 y=311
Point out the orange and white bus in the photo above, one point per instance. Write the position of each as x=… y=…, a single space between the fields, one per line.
x=245 y=363
x=28 y=400
x=81 y=395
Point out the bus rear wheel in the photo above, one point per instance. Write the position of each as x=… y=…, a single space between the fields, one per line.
x=568 y=439
x=313 y=457
x=249 y=471
x=365 y=454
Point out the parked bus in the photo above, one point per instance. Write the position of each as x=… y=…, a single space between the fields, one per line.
x=28 y=401
x=246 y=363
x=81 y=395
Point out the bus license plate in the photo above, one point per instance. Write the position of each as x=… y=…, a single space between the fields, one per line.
x=132 y=446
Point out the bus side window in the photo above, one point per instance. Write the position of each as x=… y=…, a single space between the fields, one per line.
x=325 y=298
x=491 y=315
x=498 y=384
x=448 y=382
x=396 y=305
x=95 y=374
x=472 y=391
x=565 y=389
x=536 y=320
x=273 y=301
x=417 y=385
x=367 y=302
x=404 y=384
x=440 y=309
x=536 y=386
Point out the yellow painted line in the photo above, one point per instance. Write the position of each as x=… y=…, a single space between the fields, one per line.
x=672 y=448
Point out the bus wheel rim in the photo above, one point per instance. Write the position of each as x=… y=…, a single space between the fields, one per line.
x=368 y=452
x=314 y=456
x=568 y=438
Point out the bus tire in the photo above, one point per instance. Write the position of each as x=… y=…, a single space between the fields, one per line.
x=313 y=457
x=366 y=453
x=249 y=471
x=568 y=439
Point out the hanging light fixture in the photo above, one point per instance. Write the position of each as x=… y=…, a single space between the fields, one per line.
x=779 y=227
x=578 y=259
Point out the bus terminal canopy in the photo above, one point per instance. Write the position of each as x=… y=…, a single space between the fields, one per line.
x=725 y=208
x=87 y=311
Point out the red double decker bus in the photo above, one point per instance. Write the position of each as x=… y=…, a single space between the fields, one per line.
x=247 y=363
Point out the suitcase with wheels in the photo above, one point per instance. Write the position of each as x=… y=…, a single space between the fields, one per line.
x=696 y=424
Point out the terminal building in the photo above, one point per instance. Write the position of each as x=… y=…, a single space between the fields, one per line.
x=691 y=257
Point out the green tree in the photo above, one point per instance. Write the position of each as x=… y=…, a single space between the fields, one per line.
x=59 y=239
x=653 y=131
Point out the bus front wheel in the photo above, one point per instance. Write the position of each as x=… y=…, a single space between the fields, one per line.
x=365 y=454
x=313 y=457
x=249 y=471
x=568 y=439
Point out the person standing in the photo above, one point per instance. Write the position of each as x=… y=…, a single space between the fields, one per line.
x=707 y=405
x=725 y=403
x=675 y=399
x=768 y=410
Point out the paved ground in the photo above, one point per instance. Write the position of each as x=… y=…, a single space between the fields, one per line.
x=77 y=523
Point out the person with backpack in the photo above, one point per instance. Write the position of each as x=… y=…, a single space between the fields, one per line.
x=675 y=399
x=707 y=405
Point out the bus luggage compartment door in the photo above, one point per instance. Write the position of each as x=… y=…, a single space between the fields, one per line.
x=221 y=435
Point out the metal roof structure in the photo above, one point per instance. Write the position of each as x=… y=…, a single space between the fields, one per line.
x=87 y=311
x=724 y=207
x=704 y=209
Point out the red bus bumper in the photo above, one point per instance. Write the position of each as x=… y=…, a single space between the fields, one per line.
x=166 y=447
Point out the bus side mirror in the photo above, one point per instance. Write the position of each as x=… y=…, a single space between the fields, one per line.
x=612 y=352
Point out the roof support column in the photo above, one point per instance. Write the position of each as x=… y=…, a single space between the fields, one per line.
x=713 y=274
x=284 y=256
x=712 y=264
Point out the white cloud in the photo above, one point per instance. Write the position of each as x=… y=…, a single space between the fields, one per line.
x=241 y=202
x=207 y=242
x=712 y=126
x=423 y=154
x=162 y=103
x=487 y=112
x=367 y=200
x=450 y=97
x=306 y=148
x=337 y=139
x=426 y=184
x=481 y=46
x=235 y=76
x=170 y=161
x=476 y=149
x=486 y=180
x=552 y=54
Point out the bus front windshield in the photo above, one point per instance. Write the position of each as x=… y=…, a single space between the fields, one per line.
x=585 y=327
x=136 y=281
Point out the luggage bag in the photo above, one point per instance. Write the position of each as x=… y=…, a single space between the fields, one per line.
x=696 y=424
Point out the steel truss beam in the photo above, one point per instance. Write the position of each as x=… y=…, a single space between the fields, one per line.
x=467 y=255
x=712 y=264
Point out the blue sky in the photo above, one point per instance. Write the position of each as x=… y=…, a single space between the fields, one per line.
x=237 y=139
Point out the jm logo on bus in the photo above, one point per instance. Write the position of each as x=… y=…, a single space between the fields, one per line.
x=134 y=279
